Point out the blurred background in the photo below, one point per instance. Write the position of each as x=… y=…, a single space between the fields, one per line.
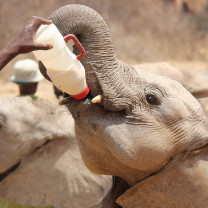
x=142 y=31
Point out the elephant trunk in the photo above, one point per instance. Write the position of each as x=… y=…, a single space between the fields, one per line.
x=105 y=74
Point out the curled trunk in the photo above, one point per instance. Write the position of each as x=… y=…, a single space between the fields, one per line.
x=105 y=73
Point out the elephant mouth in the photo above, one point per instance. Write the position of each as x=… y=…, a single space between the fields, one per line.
x=73 y=105
x=85 y=108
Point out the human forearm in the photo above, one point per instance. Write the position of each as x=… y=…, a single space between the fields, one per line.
x=6 y=55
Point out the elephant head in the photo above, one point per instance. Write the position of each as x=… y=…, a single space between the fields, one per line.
x=144 y=122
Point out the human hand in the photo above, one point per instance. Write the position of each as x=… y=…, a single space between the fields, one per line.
x=24 y=41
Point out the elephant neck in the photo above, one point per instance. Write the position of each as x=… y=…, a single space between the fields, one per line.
x=182 y=185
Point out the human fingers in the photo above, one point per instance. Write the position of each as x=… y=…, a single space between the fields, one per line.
x=43 y=46
x=37 y=21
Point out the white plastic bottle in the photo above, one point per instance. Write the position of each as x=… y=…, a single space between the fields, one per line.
x=63 y=67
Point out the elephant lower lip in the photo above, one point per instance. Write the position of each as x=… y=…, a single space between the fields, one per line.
x=81 y=109
x=77 y=105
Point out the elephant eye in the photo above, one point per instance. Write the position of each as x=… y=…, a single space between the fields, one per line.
x=152 y=99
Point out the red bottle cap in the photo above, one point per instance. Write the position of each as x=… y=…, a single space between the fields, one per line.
x=82 y=95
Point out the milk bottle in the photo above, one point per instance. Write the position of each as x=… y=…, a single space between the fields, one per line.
x=63 y=67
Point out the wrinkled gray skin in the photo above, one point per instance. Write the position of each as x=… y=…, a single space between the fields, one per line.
x=149 y=131
x=40 y=162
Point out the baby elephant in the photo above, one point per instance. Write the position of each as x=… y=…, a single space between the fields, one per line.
x=147 y=131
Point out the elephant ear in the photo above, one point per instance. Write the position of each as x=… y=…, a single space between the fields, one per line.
x=43 y=71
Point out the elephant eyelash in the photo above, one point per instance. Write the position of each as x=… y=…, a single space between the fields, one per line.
x=154 y=89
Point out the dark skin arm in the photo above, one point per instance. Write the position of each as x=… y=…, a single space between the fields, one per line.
x=24 y=42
